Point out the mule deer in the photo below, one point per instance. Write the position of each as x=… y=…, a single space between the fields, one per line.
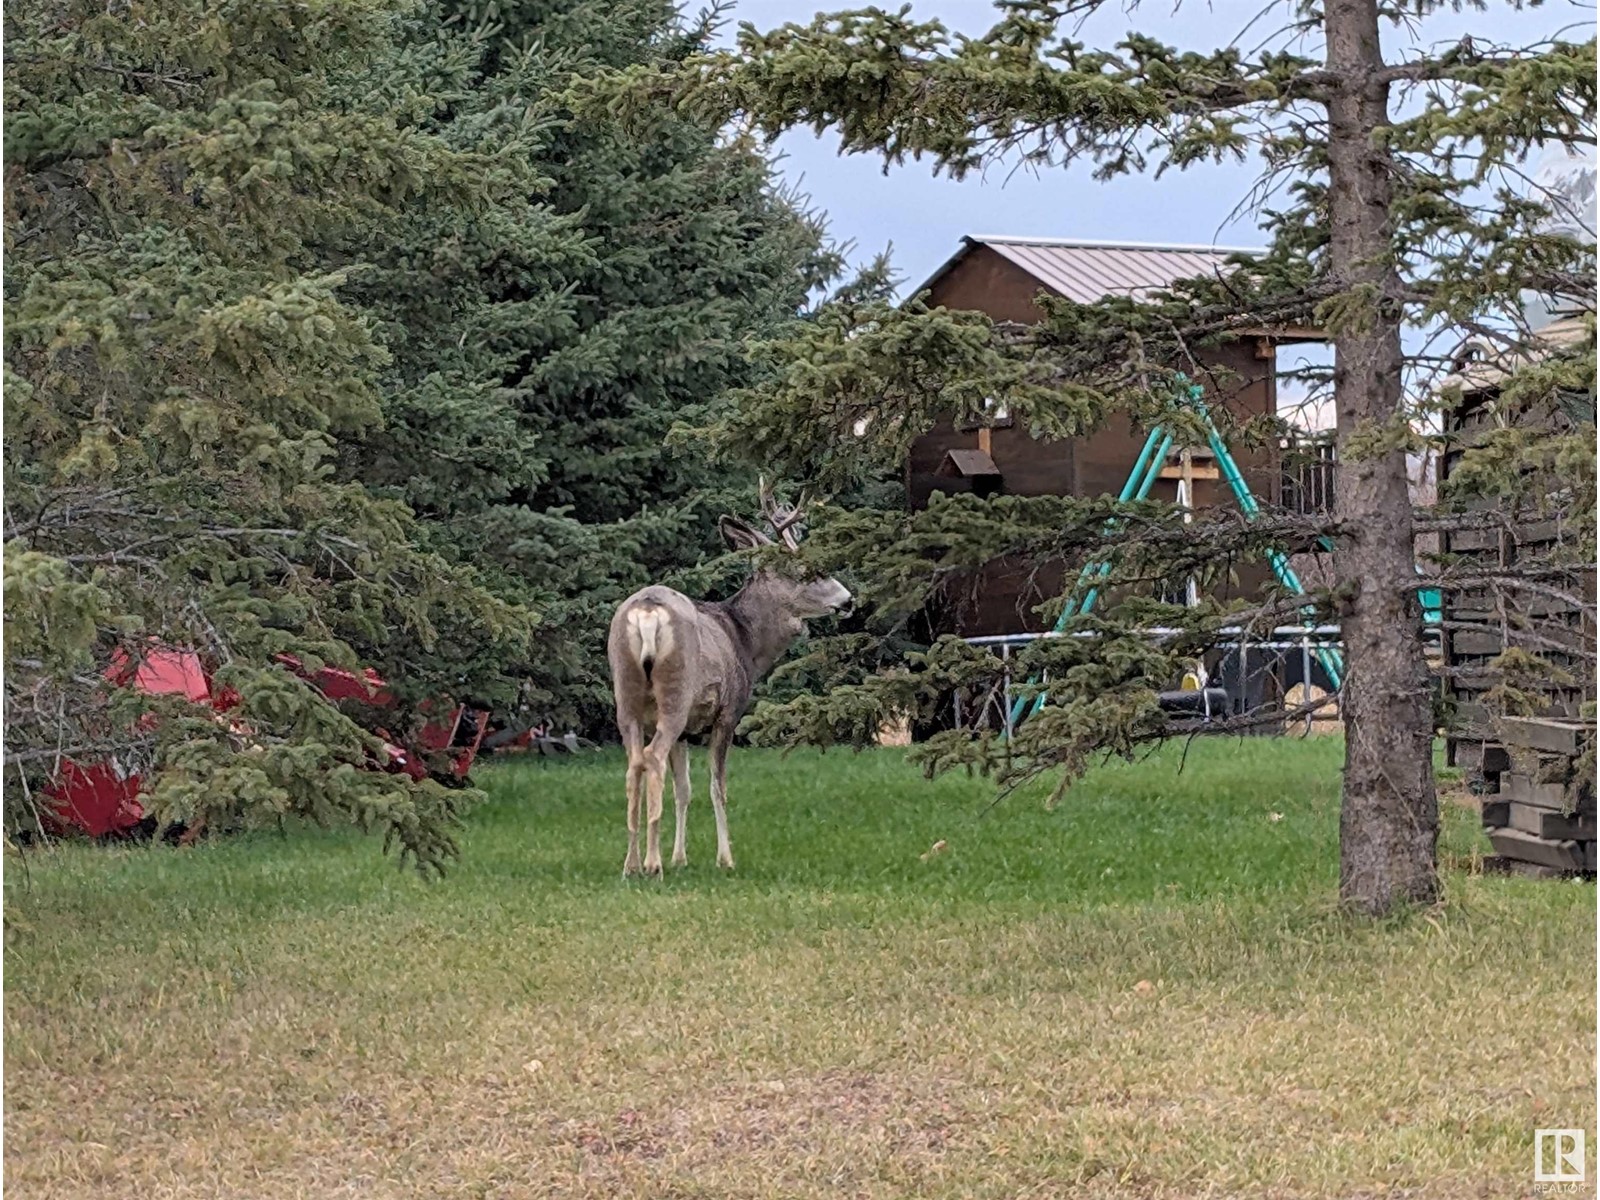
x=682 y=666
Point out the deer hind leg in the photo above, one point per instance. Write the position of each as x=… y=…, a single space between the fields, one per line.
x=721 y=739
x=655 y=782
x=633 y=739
x=679 y=759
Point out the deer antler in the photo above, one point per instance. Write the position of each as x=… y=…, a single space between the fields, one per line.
x=782 y=518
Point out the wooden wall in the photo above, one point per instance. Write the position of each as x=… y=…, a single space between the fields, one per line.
x=1469 y=652
x=1001 y=598
x=1538 y=808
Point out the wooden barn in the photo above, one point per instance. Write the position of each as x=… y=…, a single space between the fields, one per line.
x=1538 y=804
x=1003 y=276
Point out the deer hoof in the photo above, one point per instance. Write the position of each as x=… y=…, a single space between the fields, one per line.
x=680 y=860
x=725 y=861
x=630 y=868
x=653 y=870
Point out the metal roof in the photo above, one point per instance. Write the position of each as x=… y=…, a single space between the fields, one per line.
x=1491 y=367
x=1086 y=271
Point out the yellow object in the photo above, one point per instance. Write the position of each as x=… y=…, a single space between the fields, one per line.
x=1191 y=682
x=1322 y=720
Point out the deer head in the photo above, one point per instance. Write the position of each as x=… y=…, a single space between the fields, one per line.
x=800 y=598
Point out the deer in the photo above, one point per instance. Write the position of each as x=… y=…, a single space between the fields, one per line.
x=688 y=667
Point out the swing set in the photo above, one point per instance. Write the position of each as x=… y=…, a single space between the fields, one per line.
x=1146 y=469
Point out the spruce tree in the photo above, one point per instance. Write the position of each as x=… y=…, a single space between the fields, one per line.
x=542 y=353
x=1397 y=215
x=191 y=198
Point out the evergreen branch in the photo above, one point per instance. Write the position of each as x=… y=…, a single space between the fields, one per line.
x=1462 y=63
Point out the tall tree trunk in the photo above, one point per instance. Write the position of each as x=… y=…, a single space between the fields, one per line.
x=1389 y=821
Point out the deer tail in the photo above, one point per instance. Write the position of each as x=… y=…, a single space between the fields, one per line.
x=649 y=628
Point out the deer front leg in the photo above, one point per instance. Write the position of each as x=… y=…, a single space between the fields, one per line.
x=721 y=739
x=680 y=795
x=633 y=739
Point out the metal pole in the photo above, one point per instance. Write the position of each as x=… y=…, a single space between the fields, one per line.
x=1244 y=674
x=1005 y=712
x=1191 y=590
x=1305 y=678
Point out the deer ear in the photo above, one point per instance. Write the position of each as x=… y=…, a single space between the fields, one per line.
x=740 y=536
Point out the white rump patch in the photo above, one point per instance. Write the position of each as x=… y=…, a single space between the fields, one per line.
x=652 y=634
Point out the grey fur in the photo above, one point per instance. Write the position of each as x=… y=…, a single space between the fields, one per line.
x=708 y=657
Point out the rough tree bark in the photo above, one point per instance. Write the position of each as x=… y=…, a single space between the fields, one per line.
x=1389 y=821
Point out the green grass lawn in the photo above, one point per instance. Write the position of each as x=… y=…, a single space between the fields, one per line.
x=1146 y=992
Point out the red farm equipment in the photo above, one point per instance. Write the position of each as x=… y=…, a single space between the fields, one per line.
x=101 y=798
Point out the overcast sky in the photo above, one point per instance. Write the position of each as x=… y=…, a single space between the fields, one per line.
x=923 y=218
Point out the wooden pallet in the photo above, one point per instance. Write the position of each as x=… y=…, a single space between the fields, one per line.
x=1549 y=824
x=1567 y=738
x=1565 y=855
x=1561 y=797
x=1540 y=815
